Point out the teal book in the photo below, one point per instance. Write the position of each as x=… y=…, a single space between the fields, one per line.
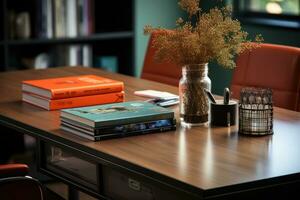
x=117 y=114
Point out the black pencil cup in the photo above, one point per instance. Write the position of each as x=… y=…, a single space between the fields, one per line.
x=223 y=114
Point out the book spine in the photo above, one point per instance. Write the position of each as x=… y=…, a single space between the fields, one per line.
x=80 y=17
x=87 y=56
x=46 y=23
x=118 y=135
x=71 y=18
x=91 y=16
x=70 y=130
x=87 y=91
x=87 y=17
x=100 y=132
x=86 y=101
x=60 y=19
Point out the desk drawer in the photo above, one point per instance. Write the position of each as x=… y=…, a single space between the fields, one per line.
x=70 y=165
x=124 y=185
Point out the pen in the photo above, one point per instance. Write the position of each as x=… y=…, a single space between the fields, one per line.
x=210 y=96
x=226 y=95
x=162 y=101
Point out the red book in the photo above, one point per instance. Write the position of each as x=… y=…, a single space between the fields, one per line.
x=56 y=104
x=73 y=86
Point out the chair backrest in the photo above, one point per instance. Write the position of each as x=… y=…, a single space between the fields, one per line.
x=163 y=72
x=270 y=66
x=21 y=188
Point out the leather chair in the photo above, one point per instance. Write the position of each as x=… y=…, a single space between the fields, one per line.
x=270 y=66
x=164 y=72
x=14 y=185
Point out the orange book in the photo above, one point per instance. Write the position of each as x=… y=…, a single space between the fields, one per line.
x=73 y=86
x=72 y=102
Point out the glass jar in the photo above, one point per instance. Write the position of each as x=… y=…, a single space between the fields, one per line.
x=194 y=103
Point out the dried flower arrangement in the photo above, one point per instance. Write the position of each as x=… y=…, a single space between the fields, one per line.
x=202 y=38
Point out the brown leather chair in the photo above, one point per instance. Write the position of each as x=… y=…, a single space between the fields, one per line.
x=163 y=72
x=14 y=185
x=270 y=66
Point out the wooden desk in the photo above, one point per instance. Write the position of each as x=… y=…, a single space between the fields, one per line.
x=197 y=163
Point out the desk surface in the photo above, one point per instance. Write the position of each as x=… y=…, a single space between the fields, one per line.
x=199 y=159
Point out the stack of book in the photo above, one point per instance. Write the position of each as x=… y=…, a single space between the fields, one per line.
x=74 y=91
x=117 y=120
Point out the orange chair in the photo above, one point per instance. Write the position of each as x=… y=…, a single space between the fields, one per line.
x=14 y=185
x=270 y=66
x=164 y=72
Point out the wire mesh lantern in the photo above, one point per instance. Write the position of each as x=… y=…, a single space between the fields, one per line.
x=256 y=111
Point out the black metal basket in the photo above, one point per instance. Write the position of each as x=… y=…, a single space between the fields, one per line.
x=256 y=111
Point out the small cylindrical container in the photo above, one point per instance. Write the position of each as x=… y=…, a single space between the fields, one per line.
x=223 y=114
x=256 y=111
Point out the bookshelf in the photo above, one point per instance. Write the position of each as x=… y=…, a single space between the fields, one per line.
x=49 y=33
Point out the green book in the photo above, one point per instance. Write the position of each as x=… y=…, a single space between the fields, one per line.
x=117 y=113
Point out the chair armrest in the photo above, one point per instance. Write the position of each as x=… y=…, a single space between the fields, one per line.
x=8 y=170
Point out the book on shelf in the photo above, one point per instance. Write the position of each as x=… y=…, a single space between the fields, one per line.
x=85 y=17
x=72 y=86
x=45 y=19
x=87 y=56
x=65 y=18
x=117 y=120
x=60 y=18
x=74 y=55
x=79 y=55
x=56 y=104
x=71 y=18
x=116 y=114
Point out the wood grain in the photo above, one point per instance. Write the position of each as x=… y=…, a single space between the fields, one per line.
x=203 y=157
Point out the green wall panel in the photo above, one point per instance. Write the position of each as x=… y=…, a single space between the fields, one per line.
x=157 y=13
